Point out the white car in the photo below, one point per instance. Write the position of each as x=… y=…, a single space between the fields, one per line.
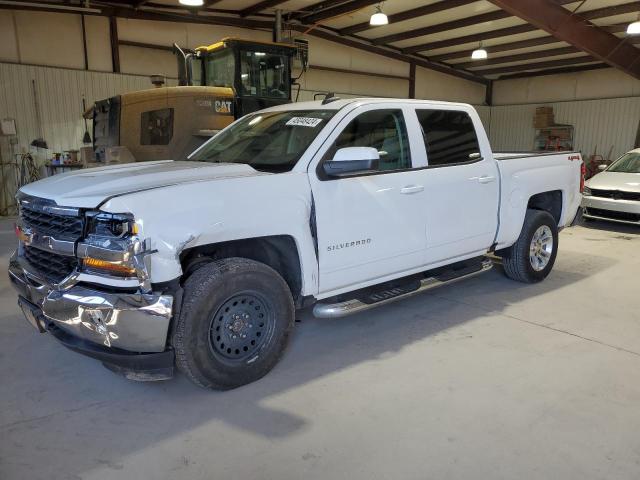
x=341 y=204
x=614 y=194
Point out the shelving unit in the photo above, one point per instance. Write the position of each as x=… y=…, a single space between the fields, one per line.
x=554 y=138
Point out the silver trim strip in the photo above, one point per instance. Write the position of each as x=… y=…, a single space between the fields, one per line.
x=608 y=219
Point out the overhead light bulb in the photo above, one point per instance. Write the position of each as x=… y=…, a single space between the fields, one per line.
x=479 y=53
x=378 y=18
x=634 y=28
x=192 y=3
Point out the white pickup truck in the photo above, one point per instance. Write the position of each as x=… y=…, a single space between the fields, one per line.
x=341 y=204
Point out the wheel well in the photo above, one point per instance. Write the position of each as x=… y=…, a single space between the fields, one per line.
x=548 y=201
x=279 y=252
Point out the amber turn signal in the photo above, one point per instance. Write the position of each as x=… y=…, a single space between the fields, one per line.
x=112 y=268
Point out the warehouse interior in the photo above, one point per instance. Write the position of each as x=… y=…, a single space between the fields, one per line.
x=487 y=378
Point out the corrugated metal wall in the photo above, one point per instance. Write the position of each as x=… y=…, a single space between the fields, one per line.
x=599 y=125
x=60 y=93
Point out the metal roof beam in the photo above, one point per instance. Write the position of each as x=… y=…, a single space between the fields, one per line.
x=410 y=14
x=575 y=30
x=506 y=47
x=393 y=54
x=258 y=7
x=337 y=11
x=554 y=52
x=525 y=28
x=536 y=66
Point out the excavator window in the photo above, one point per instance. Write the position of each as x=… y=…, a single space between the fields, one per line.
x=252 y=72
x=156 y=127
x=263 y=74
x=220 y=69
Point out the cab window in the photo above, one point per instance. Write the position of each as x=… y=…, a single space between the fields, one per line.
x=384 y=130
x=220 y=69
x=449 y=137
x=263 y=74
x=156 y=127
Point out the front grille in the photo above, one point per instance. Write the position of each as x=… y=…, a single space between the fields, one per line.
x=615 y=194
x=626 y=216
x=53 y=266
x=60 y=227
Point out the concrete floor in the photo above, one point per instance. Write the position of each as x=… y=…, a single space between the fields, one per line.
x=486 y=379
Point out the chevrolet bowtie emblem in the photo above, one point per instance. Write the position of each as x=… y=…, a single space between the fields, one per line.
x=25 y=235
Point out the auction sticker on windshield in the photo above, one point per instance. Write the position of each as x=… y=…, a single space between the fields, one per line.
x=304 y=122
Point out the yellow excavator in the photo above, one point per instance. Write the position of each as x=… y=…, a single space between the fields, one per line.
x=217 y=84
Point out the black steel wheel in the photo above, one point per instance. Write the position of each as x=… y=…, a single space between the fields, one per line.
x=234 y=323
x=241 y=326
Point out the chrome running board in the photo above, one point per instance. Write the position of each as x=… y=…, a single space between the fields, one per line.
x=347 y=307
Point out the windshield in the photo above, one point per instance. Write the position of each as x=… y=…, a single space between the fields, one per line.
x=270 y=142
x=628 y=163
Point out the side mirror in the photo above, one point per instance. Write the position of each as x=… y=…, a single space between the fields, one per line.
x=352 y=160
x=602 y=167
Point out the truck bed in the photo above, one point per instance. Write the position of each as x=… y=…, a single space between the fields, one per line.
x=514 y=155
x=523 y=174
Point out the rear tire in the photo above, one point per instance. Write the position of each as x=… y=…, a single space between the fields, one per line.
x=234 y=324
x=531 y=258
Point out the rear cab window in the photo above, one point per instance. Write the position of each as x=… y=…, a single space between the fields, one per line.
x=449 y=136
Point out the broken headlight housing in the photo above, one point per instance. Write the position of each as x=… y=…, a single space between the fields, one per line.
x=110 y=244
x=110 y=225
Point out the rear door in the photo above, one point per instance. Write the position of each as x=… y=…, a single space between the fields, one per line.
x=370 y=225
x=461 y=183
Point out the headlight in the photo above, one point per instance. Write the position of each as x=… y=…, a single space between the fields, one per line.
x=110 y=244
x=110 y=225
x=586 y=192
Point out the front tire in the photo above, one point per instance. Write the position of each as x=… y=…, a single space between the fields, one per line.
x=234 y=324
x=531 y=258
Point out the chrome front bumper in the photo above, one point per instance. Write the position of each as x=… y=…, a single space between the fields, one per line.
x=133 y=322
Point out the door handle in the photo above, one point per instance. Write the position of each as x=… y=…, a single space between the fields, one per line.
x=409 y=189
x=486 y=179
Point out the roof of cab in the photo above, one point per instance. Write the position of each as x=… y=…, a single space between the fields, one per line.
x=340 y=103
x=222 y=43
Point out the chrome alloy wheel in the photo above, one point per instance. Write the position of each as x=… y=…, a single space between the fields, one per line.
x=541 y=248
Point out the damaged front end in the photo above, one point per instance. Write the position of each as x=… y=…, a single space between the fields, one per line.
x=84 y=277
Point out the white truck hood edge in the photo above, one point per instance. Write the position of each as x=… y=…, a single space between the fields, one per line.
x=90 y=187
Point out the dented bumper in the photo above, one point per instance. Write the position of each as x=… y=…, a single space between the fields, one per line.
x=105 y=324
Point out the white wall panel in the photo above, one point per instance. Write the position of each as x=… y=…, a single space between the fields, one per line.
x=484 y=112
x=599 y=125
x=588 y=85
x=60 y=93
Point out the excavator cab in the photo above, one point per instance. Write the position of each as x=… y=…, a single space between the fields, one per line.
x=258 y=72
x=217 y=84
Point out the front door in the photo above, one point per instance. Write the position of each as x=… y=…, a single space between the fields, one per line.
x=369 y=225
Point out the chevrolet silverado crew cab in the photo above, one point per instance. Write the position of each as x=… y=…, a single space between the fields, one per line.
x=342 y=205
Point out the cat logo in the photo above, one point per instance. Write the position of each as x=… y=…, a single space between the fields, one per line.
x=223 y=106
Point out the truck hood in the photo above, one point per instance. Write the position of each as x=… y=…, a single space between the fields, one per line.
x=629 y=182
x=88 y=188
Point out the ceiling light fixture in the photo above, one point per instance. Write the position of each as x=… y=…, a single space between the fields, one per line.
x=378 y=18
x=192 y=3
x=634 y=28
x=479 y=53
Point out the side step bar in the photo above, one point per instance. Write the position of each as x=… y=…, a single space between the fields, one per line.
x=341 y=309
